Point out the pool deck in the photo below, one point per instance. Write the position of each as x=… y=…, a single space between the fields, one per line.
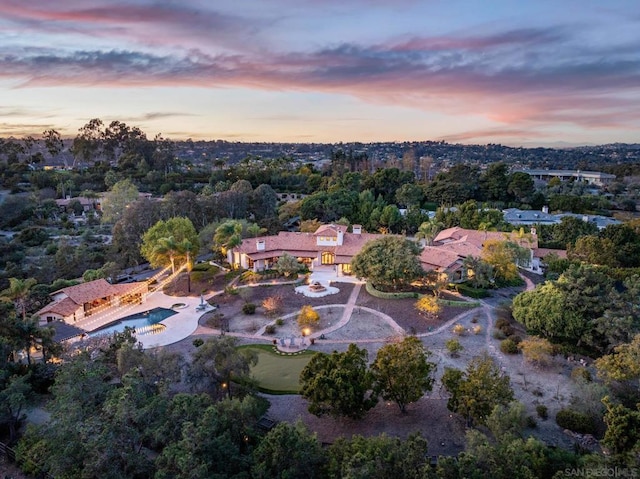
x=178 y=326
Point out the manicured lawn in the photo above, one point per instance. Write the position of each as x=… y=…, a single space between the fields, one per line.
x=275 y=373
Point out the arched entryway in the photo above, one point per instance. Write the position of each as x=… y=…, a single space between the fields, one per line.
x=328 y=257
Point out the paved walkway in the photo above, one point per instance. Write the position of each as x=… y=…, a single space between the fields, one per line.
x=185 y=323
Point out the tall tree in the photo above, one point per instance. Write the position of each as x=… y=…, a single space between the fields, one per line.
x=18 y=292
x=164 y=243
x=402 y=373
x=390 y=262
x=117 y=200
x=288 y=451
x=217 y=364
x=476 y=391
x=338 y=384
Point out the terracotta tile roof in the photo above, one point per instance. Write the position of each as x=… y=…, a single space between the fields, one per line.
x=477 y=238
x=437 y=258
x=284 y=241
x=124 y=288
x=87 y=292
x=329 y=230
x=64 y=307
x=82 y=293
x=302 y=244
x=353 y=243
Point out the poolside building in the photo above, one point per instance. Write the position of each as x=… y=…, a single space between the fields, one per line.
x=78 y=302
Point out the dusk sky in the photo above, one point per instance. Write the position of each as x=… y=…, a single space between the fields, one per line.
x=530 y=72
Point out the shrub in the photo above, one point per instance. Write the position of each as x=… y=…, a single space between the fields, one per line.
x=249 y=276
x=474 y=319
x=279 y=322
x=477 y=329
x=459 y=329
x=501 y=323
x=308 y=316
x=531 y=422
x=249 y=308
x=270 y=329
x=538 y=351
x=515 y=338
x=231 y=290
x=575 y=421
x=497 y=334
x=581 y=373
x=543 y=412
x=273 y=305
x=475 y=293
x=198 y=342
x=507 y=346
x=428 y=305
x=453 y=346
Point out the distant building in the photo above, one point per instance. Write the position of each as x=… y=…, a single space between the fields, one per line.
x=519 y=217
x=590 y=177
x=600 y=221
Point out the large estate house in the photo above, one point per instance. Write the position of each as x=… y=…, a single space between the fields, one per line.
x=329 y=246
x=332 y=246
x=77 y=302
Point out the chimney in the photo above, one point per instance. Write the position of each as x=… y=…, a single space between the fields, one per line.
x=357 y=229
x=260 y=244
x=340 y=236
x=545 y=209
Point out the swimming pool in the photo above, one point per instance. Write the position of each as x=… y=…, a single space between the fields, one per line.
x=137 y=321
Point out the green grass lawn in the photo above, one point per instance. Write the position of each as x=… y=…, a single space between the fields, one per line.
x=275 y=373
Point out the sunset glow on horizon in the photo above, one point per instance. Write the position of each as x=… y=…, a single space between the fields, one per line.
x=516 y=73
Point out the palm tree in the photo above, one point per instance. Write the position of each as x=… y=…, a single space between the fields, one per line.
x=169 y=249
x=428 y=231
x=18 y=292
x=186 y=247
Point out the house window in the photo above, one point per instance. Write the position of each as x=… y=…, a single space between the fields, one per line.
x=249 y=263
x=346 y=268
x=328 y=258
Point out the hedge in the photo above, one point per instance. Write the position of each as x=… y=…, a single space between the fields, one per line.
x=384 y=295
x=476 y=293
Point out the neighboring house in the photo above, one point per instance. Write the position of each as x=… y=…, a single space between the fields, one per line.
x=519 y=217
x=590 y=177
x=329 y=246
x=88 y=204
x=600 y=221
x=74 y=303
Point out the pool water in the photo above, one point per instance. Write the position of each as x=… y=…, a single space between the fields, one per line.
x=138 y=320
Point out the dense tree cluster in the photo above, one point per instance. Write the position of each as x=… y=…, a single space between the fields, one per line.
x=584 y=307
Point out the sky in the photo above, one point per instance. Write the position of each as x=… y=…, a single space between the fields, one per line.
x=521 y=73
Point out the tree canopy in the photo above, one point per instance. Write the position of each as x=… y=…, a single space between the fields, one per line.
x=170 y=242
x=390 y=262
x=338 y=384
x=476 y=391
x=402 y=373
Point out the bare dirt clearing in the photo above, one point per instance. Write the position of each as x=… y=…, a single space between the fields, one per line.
x=532 y=386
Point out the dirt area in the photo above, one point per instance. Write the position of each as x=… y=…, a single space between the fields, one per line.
x=443 y=431
x=404 y=313
x=551 y=387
